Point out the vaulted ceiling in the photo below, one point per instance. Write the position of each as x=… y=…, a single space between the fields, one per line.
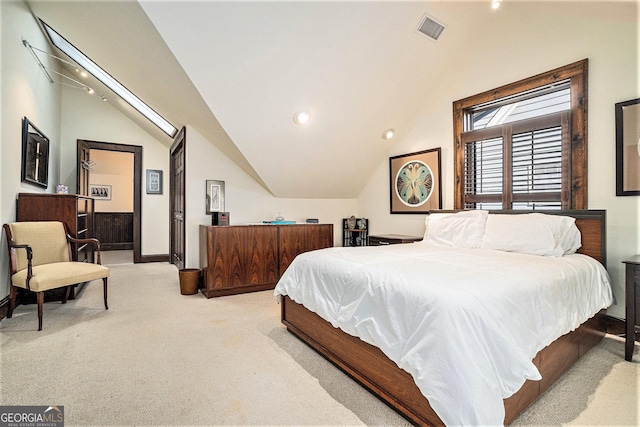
x=238 y=71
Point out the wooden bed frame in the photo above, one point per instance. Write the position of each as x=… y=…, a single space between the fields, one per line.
x=370 y=367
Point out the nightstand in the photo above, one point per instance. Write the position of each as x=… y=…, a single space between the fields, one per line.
x=392 y=239
x=632 y=290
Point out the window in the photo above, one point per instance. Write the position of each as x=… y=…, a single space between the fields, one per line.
x=523 y=146
x=518 y=164
x=105 y=78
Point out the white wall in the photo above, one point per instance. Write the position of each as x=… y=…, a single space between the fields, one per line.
x=511 y=49
x=25 y=91
x=245 y=200
x=113 y=168
x=66 y=115
x=87 y=117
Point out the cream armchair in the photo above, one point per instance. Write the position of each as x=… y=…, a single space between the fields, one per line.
x=40 y=259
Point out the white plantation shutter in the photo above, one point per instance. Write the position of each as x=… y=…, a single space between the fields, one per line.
x=518 y=165
x=484 y=173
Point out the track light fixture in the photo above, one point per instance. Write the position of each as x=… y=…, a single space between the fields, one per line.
x=74 y=84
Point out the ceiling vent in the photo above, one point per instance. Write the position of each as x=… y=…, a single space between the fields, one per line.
x=430 y=27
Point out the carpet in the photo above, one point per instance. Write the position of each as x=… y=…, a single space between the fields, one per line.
x=160 y=358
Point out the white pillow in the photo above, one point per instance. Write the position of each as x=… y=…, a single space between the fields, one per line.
x=426 y=223
x=461 y=230
x=535 y=234
x=572 y=240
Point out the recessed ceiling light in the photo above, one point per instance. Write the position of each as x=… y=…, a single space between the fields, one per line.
x=495 y=4
x=388 y=134
x=301 y=117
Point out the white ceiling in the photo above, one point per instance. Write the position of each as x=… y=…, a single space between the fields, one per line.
x=119 y=37
x=359 y=68
x=238 y=71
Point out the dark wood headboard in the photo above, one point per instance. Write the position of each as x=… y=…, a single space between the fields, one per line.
x=591 y=223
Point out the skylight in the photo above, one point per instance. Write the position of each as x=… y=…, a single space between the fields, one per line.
x=83 y=61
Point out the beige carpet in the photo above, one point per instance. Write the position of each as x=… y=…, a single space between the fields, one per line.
x=160 y=358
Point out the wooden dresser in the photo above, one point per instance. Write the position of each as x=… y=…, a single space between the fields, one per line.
x=73 y=210
x=246 y=258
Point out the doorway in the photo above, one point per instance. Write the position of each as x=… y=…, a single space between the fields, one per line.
x=177 y=199
x=84 y=167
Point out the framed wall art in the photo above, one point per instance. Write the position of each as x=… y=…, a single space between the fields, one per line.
x=628 y=148
x=215 y=196
x=35 y=155
x=415 y=182
x=100 y=191
x=154 y=181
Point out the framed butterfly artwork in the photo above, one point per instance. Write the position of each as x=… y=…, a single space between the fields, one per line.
x=415 y=184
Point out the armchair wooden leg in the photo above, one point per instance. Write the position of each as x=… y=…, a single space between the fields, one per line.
x=67 y=292
x=40 y=299
x=104 y=288
x=12 y=301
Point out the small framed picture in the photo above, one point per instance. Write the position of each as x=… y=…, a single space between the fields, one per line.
x=215 y=196
x=100 y=192
x=154 y=181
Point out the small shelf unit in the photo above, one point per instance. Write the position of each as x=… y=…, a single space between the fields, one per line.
x=357 y=235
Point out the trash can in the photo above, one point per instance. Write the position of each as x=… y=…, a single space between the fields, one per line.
x=189 y=280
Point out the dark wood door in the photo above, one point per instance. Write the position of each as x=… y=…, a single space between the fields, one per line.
x=176 y=191
x=84 y=167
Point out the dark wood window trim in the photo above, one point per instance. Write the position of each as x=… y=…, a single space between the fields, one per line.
x=577 y=74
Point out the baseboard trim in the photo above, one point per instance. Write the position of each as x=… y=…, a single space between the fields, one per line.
x=615 y=326
x=116 y=246
x=152 y=258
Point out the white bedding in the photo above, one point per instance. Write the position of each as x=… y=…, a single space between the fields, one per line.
x=465 y=323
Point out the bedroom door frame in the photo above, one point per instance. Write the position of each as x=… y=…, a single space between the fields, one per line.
x=177 y=200
x=137 y=184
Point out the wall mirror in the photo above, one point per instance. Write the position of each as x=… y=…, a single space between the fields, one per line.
x=35 y=155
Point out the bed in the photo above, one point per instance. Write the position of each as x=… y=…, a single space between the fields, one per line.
x=466 y=354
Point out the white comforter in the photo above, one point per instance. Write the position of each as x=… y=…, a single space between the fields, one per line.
x=465 y=323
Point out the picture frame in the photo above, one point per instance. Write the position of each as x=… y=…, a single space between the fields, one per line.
x=214 y=196
x=154 y=181
x=627 y=115
x=100 y=191
x=415 y=182
x=35 y=155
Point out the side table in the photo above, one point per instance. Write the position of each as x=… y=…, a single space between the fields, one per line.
x=392 y=239
x=632 y=303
